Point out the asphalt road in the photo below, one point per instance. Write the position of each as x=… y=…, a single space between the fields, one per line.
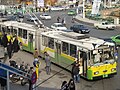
x=63 y=14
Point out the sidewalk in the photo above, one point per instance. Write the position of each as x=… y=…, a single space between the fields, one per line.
x=47 y=82
x=88 y=21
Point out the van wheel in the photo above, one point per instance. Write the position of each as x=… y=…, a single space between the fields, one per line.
x=107 y=28
x=97 y=27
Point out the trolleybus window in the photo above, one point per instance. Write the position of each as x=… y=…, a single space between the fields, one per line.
x=3 y=29
x=73 y=50
x=51 y=43
x=24 y=34
x=14 y=32
x=44 y=40
x=65 y=48
x=0 y=28
x=102 y=55
x=20 y=32
x=8 y=30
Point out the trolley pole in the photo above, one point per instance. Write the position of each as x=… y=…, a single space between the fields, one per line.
x=8 y=84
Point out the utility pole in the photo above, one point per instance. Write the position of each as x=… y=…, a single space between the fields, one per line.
x=83 y=8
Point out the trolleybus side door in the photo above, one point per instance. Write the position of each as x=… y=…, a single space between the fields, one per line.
x=30 y=42
x=57 y=51
x=83 y=62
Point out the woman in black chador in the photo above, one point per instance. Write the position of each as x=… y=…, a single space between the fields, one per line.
x=4 y=40
x=9 y=49
x=71 y=84
x=16 y=45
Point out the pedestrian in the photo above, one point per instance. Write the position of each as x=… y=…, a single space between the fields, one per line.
x=63 y=21
x=16 y=47
x=64 y=86
x=49 y=9
x=4 y=40
x=22 y=66
x=48 y=63
x=35 y=53
x=75 y=71
x=9 y=49
x=73 y=20
x=58 y=19
x=30 y=74
x=71 y=84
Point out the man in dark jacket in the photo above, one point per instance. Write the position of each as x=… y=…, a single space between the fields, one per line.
x=75 y=72
x=16 y=45
x=9 y=49
x=4 y=40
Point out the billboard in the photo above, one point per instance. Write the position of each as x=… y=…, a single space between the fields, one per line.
x=96 y=6
x=40 y=3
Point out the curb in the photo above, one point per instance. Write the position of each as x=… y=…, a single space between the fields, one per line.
x=92 y=24
x=88 y=23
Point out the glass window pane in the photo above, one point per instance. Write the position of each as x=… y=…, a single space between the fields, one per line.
x=73 y=50
x=25 y=34
x=44 y=41
x=51 y=43
x=14 y=32
x=65 y=48
x=20 y=32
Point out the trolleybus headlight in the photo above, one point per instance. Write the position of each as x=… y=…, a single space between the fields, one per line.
x=97 y=72
x=113 y=69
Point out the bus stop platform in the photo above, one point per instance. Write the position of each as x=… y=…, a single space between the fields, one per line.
x=44 y=82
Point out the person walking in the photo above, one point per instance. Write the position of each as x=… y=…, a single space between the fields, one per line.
x=75 y=72
x=71 y=84
x=36 y=53
x=16 y=47
x=30 y=73
x=48 y=63
x=9 y=49
x=58 y=19
x=64 y=22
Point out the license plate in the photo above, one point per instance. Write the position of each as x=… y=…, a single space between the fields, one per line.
x=105 y=75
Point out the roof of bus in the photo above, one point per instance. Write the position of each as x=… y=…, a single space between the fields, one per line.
x=81 y=40
x=20 y=25
x=25 y=26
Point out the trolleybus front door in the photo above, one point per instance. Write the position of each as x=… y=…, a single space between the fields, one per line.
x=57 y=52
x=83 y=65
x=30 y=42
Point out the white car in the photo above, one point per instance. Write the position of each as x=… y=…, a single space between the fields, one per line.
x=57 y=8
x=105 y=25
x=45 y=16
x=31 y=18
x=58 y=26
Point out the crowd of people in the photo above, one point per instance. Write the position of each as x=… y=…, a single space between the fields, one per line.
x=10 y=46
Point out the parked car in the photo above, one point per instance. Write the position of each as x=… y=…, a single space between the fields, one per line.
x=57 y=8
x=31 y=18
x=58 y=26
x=45 y=16
x=105 y=25
x=116 y=39
x=71 y=12
x=80 y=28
